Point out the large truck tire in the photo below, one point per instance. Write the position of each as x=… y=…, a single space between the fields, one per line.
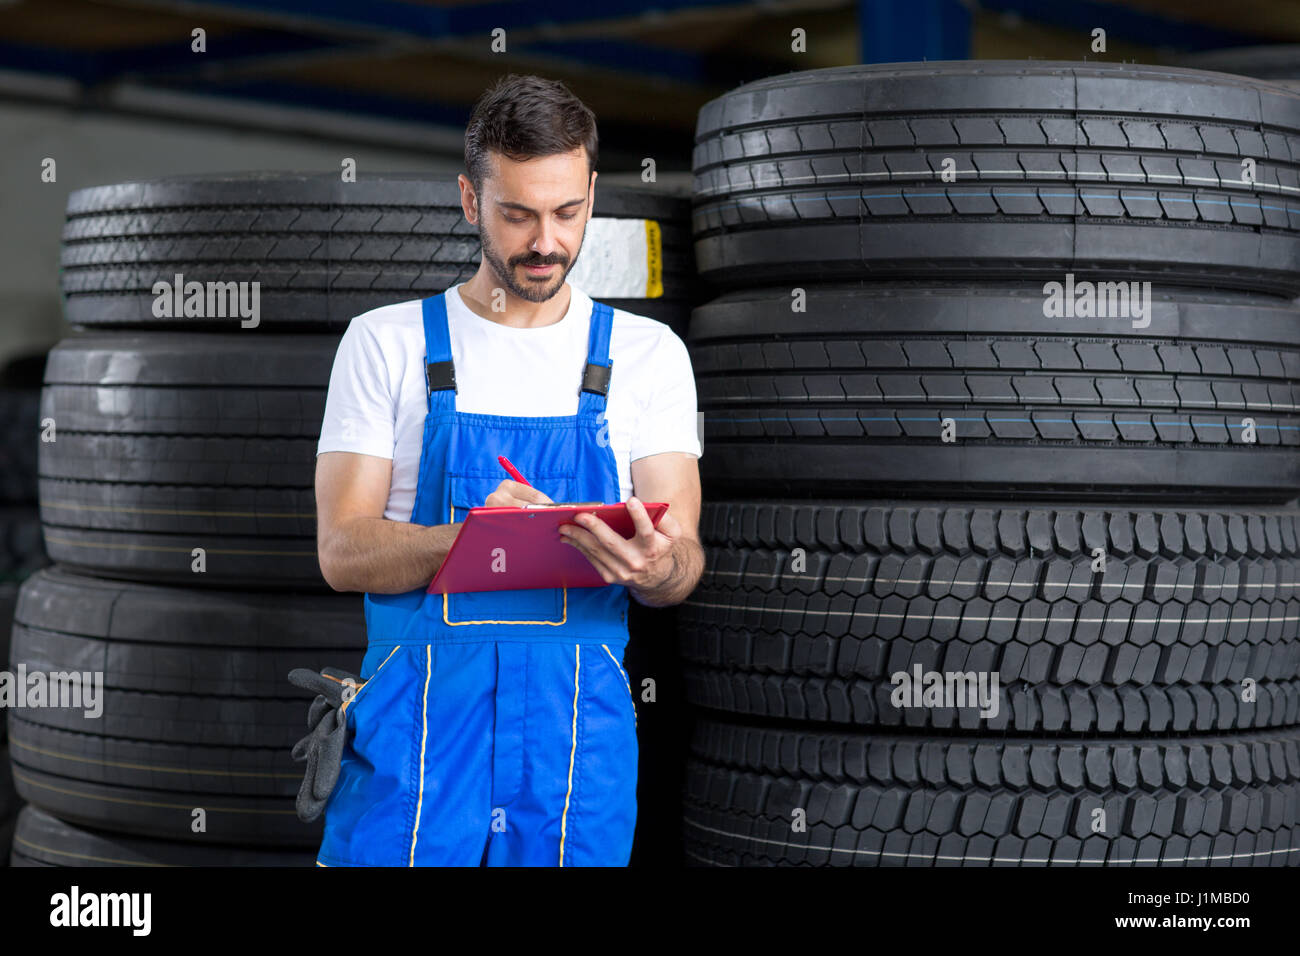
x=322 y=250
x=939 y=389
x=44 y=840
x=987 y=169
x=170 y=441
x=873 y=800
x=196 y=709
x=1114 y=620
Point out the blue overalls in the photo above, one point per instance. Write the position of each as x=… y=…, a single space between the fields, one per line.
x=493 y=728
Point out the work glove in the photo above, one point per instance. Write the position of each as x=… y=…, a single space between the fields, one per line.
x=322 y=748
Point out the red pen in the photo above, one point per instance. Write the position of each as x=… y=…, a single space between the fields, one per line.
x=514 y=472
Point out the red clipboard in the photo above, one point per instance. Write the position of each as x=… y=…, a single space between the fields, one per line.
x=535 y=556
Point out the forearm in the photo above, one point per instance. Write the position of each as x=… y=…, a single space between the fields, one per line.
x=383 y=556
x=688 y=566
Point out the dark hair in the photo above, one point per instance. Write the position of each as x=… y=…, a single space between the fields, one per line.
x=526 y=116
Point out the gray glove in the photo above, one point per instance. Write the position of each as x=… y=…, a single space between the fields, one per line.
x=322 y=748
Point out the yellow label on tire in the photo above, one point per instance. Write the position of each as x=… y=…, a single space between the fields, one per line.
x=654 y=261
x=620 y=259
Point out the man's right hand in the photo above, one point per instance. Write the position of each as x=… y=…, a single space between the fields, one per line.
x=515 y=494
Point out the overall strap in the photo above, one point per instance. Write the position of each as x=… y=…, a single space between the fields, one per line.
x=596 y=373
x=439 y=373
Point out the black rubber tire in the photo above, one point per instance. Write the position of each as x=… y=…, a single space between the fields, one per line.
x=44 y=840
x=907 y=801
x=196 y=700
x=184 y=762
x=171 y=441
x=1007 y=589
x=1086 y=407
x=168 y=814
x=1091 y=168
x=322 y=250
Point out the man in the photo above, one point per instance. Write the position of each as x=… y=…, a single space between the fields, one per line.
x=498 y=728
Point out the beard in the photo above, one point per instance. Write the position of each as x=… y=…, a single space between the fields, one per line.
x=530 y=289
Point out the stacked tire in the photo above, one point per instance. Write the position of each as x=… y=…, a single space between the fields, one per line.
x=21 y=549
x=927 y=458
x=177 y=501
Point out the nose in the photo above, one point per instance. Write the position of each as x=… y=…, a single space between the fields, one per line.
x=543 y=243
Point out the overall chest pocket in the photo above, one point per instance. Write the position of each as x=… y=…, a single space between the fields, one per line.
x=532 y=606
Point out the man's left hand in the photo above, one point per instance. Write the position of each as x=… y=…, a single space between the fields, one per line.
x=644 y=561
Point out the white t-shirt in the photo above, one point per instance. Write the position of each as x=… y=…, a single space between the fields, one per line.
x=377 y=398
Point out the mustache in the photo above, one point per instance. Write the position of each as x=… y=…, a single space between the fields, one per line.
x=539 y=261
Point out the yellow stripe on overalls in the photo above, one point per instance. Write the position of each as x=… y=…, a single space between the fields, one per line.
x=343 y=708
x=564 y=819
x=625 y=680
x=424 y=716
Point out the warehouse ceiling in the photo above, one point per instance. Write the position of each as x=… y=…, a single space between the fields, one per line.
x=402 y=70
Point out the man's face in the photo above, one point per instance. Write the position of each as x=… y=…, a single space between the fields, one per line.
x=532 y=217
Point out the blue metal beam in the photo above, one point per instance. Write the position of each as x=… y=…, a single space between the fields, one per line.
x=93 y=67
x=429 y=22
x=482 y=18
x=367 y=21
x=892 y=31
x=175 y=60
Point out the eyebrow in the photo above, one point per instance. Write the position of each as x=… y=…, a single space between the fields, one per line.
x=521 y=207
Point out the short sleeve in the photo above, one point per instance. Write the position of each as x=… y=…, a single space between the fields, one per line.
x=668 y=420
x=360 y=409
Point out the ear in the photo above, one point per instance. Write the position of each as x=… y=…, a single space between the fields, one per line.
x=468 y=199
